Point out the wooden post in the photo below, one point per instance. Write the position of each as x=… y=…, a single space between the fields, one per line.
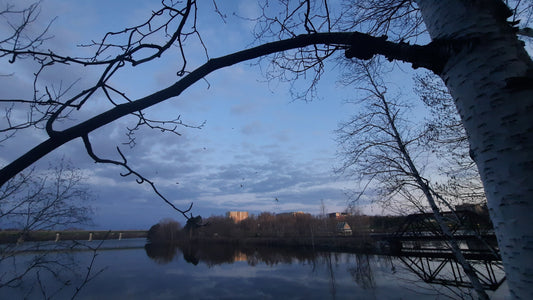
x=57 y=237
x=120 y=236
x=90 y=236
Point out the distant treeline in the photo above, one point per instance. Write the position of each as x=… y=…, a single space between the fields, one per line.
x=267 y=225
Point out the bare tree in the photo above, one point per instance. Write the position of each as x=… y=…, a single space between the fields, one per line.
x=474 y=48
x=447 y=139
x=53 y=199
x=368 y=144
x=376 y=143
x=167 y=231
x=49 y=105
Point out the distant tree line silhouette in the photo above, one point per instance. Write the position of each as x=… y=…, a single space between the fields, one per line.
x=267 y=224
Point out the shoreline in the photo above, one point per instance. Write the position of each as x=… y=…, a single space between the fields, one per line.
x=326 y=243
x=354 y=243
x=363 y=243
x=14 y=236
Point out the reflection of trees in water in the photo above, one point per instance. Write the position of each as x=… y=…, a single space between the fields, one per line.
x=218 y=254
x=331 y=273
x=273 y=256
x=213 y=256
x=193 y=253
x=362 y=272
x=361 y=267
x=161 y=254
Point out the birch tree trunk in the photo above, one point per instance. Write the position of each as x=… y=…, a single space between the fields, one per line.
x=490 y=76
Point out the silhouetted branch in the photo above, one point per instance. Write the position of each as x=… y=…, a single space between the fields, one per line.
x=89 y=275
x=140 y=178
x=44 y=201
x=411 y=53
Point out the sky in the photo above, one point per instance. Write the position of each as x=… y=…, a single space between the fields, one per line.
x=258 y=150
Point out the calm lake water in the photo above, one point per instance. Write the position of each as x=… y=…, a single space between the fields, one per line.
x=128 y=270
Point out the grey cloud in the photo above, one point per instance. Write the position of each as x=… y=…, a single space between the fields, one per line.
x=245 y=108
x=253 y=128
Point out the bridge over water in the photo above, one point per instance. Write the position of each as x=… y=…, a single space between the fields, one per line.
x=420 y=234
x=423 y=248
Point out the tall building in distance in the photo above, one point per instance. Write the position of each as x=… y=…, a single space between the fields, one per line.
x=237 y=216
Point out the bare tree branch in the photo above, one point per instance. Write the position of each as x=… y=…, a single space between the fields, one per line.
x=411 y=53
x=140 y=179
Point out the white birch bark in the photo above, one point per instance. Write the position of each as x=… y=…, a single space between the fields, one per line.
x=491 y=82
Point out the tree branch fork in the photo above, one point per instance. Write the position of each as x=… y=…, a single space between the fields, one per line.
x=355 y=44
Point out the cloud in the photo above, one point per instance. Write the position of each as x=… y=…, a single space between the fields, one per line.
x=255 y=147
x=245 y=108
x=253 y=128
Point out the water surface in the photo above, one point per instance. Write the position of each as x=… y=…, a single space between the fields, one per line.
x=128 y=270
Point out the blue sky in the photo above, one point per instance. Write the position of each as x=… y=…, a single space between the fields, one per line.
x=257 y=144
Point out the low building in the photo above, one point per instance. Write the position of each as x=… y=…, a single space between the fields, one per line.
x=343 y=228
x=237 y=216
